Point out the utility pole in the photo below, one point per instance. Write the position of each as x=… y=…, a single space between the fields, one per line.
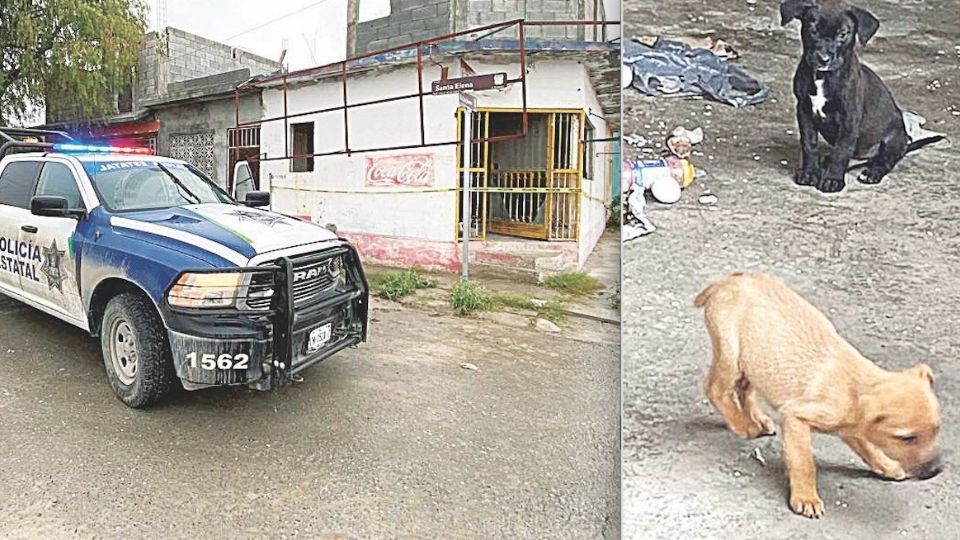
x=353 y=18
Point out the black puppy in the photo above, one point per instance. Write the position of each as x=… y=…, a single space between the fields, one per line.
x=842 y=99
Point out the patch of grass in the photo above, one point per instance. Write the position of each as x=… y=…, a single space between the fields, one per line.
x=469 y=297
x=396 y=285
x=575 y=283
x=551 y=310
x=613 y=221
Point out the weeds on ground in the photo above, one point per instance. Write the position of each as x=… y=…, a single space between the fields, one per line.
x=394 y=286
x=551 y=310
x=575 y=283
x=613 y=220
x=469 y=297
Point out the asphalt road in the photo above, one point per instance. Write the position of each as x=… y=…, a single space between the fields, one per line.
x=393 y=439
x=881 y=261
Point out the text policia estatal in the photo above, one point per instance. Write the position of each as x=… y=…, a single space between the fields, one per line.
x=19 y=258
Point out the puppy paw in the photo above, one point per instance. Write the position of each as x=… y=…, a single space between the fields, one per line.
x=831 y=185
x=871 y=175
x=810 y=506
x=891 y=472
x=766 y=427
x=807 y=178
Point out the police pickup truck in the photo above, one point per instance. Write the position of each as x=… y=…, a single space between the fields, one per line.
x=176 y=277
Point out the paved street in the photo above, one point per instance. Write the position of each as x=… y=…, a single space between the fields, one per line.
x=393 y=439
x=880 y=260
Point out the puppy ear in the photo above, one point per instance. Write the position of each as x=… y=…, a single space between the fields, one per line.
x=792 y=9
x=924 y=372
x=867 y=24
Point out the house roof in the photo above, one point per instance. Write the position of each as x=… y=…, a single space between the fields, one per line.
x=602 y=60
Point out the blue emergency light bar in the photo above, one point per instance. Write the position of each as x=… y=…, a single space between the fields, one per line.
x=90 y=148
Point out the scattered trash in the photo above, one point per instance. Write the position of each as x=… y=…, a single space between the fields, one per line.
x=468 y=366
x=665 y=190
x=758 y=455
x=635 y=223
x=670 y=67
x=914 y=124
x=538 y=302
x=649 y=172
x=10 y=351
x=707 y=199
x=718 y=47
x=635 y=140
x=682 y=141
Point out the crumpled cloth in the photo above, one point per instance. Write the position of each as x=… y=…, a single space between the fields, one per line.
x=672 y=68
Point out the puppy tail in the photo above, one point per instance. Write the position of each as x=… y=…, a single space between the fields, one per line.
x=918 y=144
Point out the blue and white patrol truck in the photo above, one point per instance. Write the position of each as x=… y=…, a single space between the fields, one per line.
x=177 y=278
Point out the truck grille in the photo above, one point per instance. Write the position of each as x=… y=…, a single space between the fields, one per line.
x=309 y=281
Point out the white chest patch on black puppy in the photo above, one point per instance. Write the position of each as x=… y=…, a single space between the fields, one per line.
x=818 y=100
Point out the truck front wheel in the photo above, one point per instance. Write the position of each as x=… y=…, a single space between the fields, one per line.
x=135 y=351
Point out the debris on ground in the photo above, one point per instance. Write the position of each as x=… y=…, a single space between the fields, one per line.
x=707 y=199
x=468 y=366
x=670 y=67
x=682 y=141
x=719 y=47
x=547 y=326
x=758 y=455
x=915 y=130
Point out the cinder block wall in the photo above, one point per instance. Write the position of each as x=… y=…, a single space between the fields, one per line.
x=409 y=20
x=173 y=56
x=412 y=20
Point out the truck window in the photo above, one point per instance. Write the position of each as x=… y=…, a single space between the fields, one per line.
x=57 y=179
x=17 y=181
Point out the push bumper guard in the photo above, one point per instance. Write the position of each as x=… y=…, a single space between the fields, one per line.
x=274 y=340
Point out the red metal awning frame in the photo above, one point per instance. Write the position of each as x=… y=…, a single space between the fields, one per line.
x=343 y=67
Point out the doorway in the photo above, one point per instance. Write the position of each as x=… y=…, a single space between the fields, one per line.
x=529 y=187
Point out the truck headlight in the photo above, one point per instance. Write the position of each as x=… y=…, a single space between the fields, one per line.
x=338 y=274
x=213 y=290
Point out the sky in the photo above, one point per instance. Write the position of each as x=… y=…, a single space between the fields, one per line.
x=315 y=33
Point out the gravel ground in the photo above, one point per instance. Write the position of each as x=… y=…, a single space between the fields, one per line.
x=881 y=261
x=393 y=439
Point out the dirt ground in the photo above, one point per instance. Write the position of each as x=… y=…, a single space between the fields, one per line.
x=880 y=260
x=393 y=439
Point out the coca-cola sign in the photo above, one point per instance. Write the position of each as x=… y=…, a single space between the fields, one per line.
x=406 y=170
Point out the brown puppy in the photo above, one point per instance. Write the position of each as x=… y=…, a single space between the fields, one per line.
x=770 y=343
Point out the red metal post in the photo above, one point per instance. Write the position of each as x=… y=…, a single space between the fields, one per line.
x=286 y=120
x=423 y=135
x=346 y=122
x=523 y=75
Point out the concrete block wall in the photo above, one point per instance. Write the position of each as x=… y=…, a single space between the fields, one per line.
x=409 y=20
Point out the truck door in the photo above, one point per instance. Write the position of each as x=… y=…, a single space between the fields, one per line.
x=17 y=181
x=54 y=280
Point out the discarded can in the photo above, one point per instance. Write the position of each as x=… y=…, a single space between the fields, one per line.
x=648 y=171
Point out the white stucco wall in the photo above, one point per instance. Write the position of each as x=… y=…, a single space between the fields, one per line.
x=551 y=84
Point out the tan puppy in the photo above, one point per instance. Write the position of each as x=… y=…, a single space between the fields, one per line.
x=770 y=343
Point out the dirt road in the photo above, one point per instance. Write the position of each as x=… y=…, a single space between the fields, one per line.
x=392 y=439
x=880 y=260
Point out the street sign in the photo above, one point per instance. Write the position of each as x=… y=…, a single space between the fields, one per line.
x=472 y=83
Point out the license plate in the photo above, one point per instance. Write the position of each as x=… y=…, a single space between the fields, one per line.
x=319 y=337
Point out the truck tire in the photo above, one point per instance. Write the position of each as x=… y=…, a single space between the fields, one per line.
x=136 y=353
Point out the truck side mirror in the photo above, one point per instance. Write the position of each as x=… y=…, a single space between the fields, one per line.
x=243 y=182
x=49 y=205
x=257 y=199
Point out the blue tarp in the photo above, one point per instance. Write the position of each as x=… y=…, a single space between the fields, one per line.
x=686 y=71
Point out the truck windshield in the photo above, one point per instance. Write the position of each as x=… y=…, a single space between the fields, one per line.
x=147 y=185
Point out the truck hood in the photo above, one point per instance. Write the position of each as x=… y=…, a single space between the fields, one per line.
x=236 y=233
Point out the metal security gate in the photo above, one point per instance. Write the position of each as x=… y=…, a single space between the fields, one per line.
x=244 y=145
x=534 y=190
